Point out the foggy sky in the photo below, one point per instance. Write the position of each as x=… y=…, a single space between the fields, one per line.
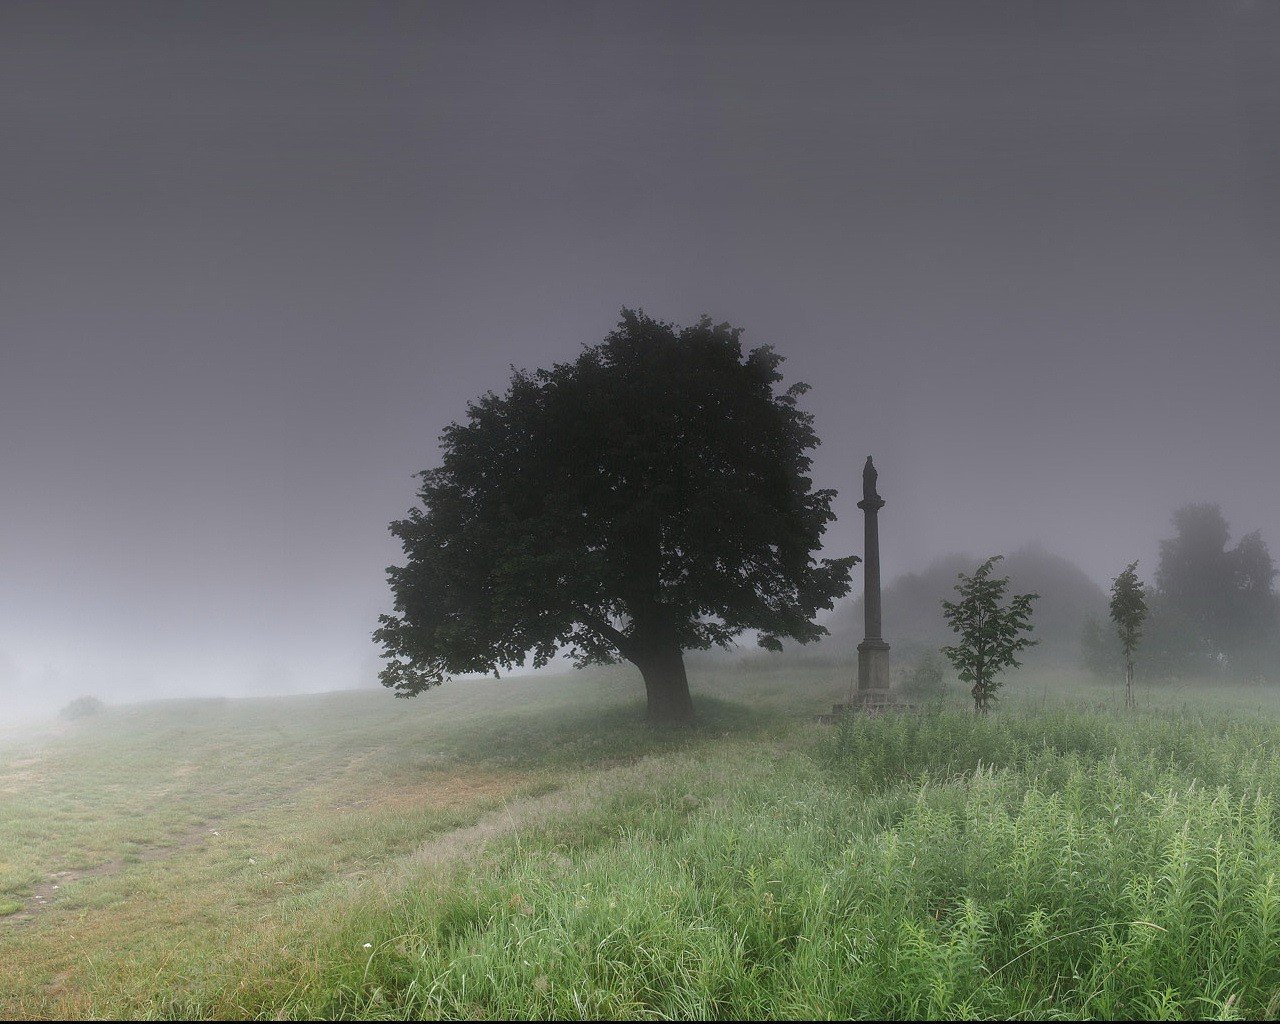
x=255 y=257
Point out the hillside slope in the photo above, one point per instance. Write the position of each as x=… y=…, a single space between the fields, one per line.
x=530 y=848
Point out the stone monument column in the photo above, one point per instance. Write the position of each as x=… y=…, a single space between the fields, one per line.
x=873 y=652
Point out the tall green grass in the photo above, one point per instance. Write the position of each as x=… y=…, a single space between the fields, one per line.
x=1053 y=864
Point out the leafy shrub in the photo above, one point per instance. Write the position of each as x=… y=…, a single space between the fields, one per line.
x=926 y=678
x=81 y=707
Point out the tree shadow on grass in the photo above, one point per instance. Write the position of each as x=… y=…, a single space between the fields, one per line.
x=599 y=736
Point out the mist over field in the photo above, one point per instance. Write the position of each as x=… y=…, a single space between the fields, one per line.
x=257 y=257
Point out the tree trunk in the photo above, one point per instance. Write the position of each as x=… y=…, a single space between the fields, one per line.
x=979 y=691
x=667 y=685
x=1129 y=702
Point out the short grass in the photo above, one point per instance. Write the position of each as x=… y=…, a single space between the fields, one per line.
x=315 y=856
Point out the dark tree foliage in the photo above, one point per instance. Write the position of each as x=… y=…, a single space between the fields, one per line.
x=991 y=632
x=1194 y=574
x=1129 y=614
x=1253 y=632
x=649 y=497
x=1214 y=605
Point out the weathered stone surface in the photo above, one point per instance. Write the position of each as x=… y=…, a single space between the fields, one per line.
x=872 y=695
x=873 y=652
x=873 y=665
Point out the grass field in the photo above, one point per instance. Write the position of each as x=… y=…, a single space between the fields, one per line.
x=530 y=848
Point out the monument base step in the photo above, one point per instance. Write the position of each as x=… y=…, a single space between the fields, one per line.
x=870 y=703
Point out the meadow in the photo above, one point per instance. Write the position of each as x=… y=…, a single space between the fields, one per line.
x=529 y=847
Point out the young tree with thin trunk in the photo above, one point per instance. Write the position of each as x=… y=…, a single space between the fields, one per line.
x=1129 y=613
x=650 y=497
x=991 y=632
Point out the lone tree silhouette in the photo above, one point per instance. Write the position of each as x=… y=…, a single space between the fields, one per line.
x=1128 y=612
x=650 y=497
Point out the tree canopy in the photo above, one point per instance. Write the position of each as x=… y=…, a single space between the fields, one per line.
x=649 y=497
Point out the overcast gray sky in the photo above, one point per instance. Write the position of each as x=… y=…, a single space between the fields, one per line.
x=255 y=256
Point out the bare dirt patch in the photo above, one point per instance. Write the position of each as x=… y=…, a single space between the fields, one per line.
x=22 y=774
x=453 y=790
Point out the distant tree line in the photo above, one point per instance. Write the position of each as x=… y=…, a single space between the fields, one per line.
x=1213 y=607
x=1068 y=597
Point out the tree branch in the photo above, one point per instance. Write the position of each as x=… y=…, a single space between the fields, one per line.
x=607 y=632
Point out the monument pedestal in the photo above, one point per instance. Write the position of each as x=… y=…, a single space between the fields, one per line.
x=873 y=696
x=873 y=667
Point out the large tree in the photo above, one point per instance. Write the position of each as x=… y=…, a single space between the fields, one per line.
x=650 y=497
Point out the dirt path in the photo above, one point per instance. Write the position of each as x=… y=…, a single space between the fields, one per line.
x=443 y=851
x=577 y=794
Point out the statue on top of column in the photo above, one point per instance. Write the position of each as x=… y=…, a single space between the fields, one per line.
x=869 y=475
